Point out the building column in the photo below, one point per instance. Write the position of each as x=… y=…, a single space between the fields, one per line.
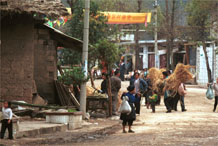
x=145 y=57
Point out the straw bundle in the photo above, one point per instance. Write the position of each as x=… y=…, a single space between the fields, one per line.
x=154 y=74
x=156 y=77
x=91 y=91
x=162 y=70
x=180 y=75
x=158 y=86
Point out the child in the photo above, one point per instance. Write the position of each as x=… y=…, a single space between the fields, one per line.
x=7 y=120
x=153 y=100
x=129 y=118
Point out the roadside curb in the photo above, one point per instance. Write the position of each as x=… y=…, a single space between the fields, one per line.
x=46 y=130
x=76 y=137
x=100 y=131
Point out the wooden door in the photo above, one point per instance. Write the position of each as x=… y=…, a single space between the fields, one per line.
x=163 y=61
x=151 y=60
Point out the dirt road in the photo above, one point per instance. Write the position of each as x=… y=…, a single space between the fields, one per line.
x=197 y=126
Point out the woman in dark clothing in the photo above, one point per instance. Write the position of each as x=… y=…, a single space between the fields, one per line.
x=129 y=118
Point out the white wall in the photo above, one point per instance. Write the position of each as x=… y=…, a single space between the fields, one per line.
x=145 y=57
x=216 y=66
x=201 y=69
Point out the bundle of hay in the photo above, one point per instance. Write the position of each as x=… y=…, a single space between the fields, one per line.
x=90 y=91
x=158 y=86
x=180 y=75
x=154 y=74
x=156 y=77
x=162 y=70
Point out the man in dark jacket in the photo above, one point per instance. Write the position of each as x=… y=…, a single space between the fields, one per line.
x=115 y=87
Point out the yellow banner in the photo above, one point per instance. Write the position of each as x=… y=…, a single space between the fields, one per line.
x=127 y=18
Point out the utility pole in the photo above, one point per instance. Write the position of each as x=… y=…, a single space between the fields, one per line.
x=168 y=36
x=85 y=57
x=157 y=64
x=137 y=39
x=213 y=61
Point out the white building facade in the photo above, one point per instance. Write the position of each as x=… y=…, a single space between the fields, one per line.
x=201 y=68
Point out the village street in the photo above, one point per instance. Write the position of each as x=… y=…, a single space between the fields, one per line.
x=197 y=126
x=50 y=49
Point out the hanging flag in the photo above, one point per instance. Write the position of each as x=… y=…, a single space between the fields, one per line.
x=65 y=19
x=127 y=18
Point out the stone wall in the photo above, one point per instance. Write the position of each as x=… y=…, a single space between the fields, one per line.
x=17 y=57
x=45 y=63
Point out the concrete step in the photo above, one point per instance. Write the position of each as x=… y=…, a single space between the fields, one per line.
x=31 y=129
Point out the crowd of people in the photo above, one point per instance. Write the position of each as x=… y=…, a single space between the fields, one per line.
x=140 y=86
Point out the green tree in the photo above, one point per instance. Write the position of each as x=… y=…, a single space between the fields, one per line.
x=200 y=23
x=107 y=52
x=99 y=32
x=97 y=23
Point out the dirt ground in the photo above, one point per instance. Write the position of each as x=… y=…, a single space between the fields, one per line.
x=197 y=126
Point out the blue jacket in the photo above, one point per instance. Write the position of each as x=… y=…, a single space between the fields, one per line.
x=143 y=85
x=131 y=97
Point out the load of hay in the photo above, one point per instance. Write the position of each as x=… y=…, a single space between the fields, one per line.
x=180 y=75
x=94 y=93
x=90 y=91
x=154 y=74
x=156 y=77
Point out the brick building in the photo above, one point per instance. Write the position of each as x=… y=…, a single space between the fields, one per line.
x=28 y=59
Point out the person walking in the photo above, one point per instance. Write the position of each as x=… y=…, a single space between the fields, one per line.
x=167 y=98
x=182 y=93
x=149 y=90
x=175 y=101
x=115 y=87
x=141 y=87
x=153 y=100
x=129 y=118
x=215 y=87
x=7 y=120
x=132 y=78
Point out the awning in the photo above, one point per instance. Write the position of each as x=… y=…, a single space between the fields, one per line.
x=64 y=40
